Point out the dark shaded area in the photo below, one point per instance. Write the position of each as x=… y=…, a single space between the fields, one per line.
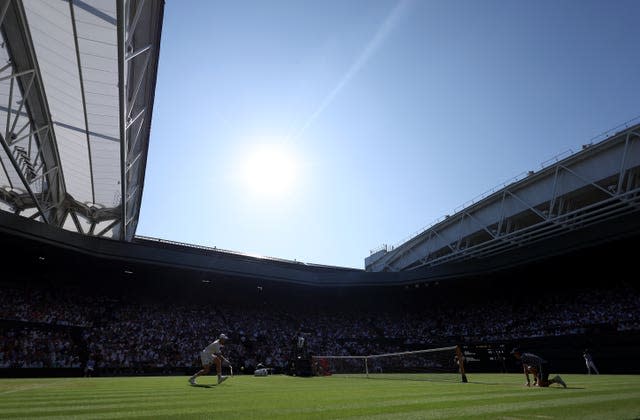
x=587 y=276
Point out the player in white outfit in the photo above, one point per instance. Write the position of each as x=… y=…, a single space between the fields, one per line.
x=212 y=354
x=589 y=362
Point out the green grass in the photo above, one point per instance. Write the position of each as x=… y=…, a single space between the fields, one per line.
x=281 y=397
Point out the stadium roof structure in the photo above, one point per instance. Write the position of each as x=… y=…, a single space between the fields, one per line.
x=596 y=188
x=77 y=83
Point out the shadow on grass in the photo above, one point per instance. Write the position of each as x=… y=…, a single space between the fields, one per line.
x=202 y=385
x=520 y=386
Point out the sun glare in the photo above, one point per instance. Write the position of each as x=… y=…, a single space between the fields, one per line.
x=270 y=171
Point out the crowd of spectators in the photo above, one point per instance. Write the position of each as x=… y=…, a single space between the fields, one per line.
x=33 y=347
x=64 y=329
x=50 y=306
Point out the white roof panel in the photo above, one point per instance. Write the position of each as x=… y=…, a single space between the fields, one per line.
x=73 y=150
x=87 y=126
x=55 y=46
x=74 y=139
x=106 y=169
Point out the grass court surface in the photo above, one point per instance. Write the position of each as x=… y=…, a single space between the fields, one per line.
x=489 y=396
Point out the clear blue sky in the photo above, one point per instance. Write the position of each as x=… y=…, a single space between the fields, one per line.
x=393 y=113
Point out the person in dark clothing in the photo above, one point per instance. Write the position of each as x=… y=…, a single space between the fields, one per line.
x=534 y=363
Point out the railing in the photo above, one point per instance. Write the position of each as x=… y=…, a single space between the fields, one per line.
x=382 y=247
x=237 y=253
x=614 y=130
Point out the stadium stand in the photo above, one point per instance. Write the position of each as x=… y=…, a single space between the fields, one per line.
x=146 y=326
x=85 y=287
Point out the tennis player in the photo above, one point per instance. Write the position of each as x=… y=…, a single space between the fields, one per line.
x=212 y=354
x=534 y=363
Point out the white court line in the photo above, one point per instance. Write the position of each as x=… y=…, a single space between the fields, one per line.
x=30 y=387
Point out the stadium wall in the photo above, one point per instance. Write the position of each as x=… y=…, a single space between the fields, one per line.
x=27 y=236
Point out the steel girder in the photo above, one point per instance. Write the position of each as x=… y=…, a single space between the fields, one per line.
x=138 y=50
x=31 y=164
x=28 y=140
x=593 y=202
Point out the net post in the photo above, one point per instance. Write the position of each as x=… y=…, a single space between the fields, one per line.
x=366 y=365
x=460 y=357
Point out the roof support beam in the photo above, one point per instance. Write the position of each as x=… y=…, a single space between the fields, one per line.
x=23 y=178
x=134 y=21
x=107 y=228
x=138 y=52
x=31 y=133
x=121 y=18
x=623 y=160
x=138 y=27
x=16 y=34
x=141 y=78
x=3 y=11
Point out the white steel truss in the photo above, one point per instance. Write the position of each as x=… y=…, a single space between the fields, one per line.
x=596 y=185
x=31 y=175
x=77 y=82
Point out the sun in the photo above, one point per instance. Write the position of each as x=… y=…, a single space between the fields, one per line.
x=270 y=170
